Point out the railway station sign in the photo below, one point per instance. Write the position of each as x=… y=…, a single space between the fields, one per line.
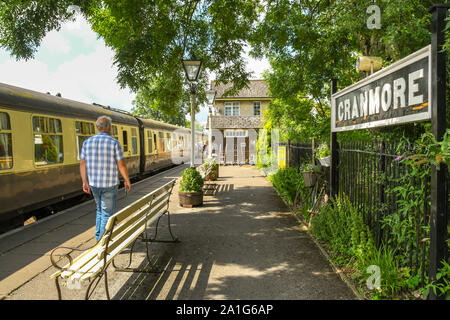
x=397 y=94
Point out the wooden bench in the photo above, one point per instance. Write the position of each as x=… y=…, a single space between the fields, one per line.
x=121 y=231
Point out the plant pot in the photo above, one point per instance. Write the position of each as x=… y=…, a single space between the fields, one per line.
x=326 y=162
x=310 y=178
x=213 y=175
x=190 y=199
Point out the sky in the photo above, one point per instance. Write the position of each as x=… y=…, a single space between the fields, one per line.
x=73 y=62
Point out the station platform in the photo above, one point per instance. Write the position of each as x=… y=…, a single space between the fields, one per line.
x=242 y=244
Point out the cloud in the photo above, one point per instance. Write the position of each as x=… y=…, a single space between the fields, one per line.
x=91 y=78
x=56 y=43
x=87 y=77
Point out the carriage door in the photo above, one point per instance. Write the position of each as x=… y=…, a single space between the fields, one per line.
x=125 y=142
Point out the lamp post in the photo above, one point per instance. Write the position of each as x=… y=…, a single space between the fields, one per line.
x=211 y=96
x=192 y=69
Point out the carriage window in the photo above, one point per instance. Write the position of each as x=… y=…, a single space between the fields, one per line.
x=149 y=141
x=48 y=141
x=161 y=141
x=168 y=142
x=154 y=140
x=114 y=132
x=134 y=143
x=125 y=141
x=83 y=130
x=6 y=157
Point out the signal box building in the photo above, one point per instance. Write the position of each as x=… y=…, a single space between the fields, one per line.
x=237 y=120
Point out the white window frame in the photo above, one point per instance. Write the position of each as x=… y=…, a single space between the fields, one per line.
x=232 y=106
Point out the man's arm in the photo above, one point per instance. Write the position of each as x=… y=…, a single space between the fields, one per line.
x=84 y=178
x=124 y=172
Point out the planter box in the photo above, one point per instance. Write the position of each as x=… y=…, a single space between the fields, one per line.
x=213 y=175
x=326 y=162
x=190 y=199
x=310 y=178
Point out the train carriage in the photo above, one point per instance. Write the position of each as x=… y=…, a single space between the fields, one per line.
x=40 y=141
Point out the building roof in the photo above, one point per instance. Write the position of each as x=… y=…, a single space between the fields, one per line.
x=256 y=89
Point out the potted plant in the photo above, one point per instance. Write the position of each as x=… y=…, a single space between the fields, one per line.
x=309 y=174
x=209 y=170
x=323 y=153
x=191 y=192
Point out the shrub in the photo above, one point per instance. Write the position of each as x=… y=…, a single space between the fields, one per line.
x=191 y=181
x=287 y=182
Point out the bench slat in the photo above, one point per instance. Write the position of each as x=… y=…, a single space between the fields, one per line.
x=126 y=225
x=123 y=214
x=112 y=254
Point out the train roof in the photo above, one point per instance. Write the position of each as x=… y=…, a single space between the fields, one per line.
x=161 y=125
x=17 y=98
x=32 y=101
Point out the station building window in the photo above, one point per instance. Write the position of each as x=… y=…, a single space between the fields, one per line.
x=48 y=141
x=232 y=108
x=6 y=156
x=256 y=108
x=83 y=131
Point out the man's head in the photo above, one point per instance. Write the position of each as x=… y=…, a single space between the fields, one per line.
x=104 y=124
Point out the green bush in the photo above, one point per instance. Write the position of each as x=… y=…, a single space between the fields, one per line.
x=341 y=225
x=287 y=182
x=191 y=181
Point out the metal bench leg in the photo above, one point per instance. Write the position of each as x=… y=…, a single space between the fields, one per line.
x=98 y=278
x=174 y=239
x=143 y=270
x=58 y=288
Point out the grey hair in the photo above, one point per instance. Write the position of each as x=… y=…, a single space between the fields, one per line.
x=103 y=122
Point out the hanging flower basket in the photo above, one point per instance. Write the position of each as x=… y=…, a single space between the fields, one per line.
x=326 y=162
x=310 y=178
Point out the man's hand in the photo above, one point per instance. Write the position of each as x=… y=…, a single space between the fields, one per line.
x=127 y=185
x=84 y=177
x=124 y=172
x=86 y=188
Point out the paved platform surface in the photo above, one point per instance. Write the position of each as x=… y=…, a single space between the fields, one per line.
x=243 y=243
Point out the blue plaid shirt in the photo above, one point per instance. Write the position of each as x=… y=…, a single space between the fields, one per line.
x=101 y=153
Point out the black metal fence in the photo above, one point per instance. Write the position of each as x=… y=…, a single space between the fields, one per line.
x=395 y=207
x=395 y=203
x=298 y=153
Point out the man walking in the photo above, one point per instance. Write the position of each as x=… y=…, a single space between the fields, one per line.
x=100 y=157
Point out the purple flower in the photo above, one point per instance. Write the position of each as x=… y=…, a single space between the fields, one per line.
x=398 y=158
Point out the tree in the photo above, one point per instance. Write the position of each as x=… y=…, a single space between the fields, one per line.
x=149 y=37
x=146 y=106
x=311 y=42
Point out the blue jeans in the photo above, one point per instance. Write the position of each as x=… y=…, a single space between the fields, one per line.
x=105 y=201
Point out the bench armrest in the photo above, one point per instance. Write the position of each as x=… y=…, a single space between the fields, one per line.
x=53 y=255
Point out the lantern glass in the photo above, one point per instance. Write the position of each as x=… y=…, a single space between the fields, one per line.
x=192 y=69
x=210 y=96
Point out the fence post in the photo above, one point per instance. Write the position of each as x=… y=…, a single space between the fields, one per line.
x=288 y=154
x=439 y=191
x=334 y=146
